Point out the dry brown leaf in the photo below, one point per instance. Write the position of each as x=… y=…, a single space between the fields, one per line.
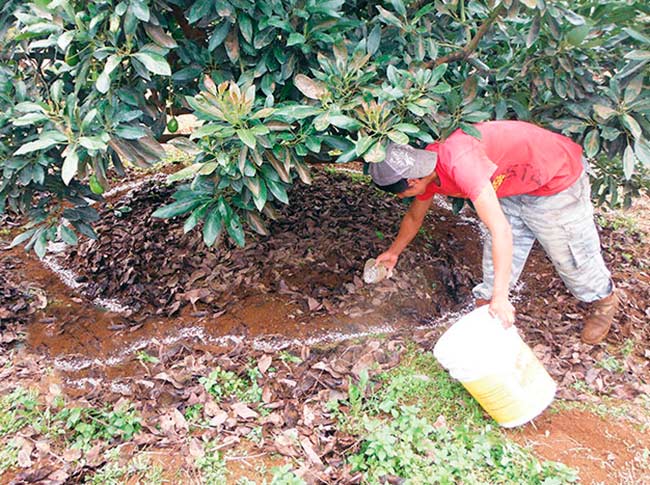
x=264 y=363
x=243 y=411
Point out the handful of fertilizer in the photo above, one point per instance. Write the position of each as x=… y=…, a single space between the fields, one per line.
x=374 y=273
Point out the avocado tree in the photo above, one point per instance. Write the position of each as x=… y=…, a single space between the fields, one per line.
x=88 y=88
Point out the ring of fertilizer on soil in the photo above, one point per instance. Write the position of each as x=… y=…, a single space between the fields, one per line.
x=297 y=312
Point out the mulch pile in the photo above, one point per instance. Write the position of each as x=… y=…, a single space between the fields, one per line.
x=18 y=301
x=315 y=257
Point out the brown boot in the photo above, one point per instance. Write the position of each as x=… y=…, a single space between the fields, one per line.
x=480 y=302
x=597 y=324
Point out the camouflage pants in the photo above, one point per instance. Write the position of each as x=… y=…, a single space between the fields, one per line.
x=564 y=225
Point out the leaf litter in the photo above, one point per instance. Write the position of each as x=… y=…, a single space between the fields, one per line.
x=292 y=408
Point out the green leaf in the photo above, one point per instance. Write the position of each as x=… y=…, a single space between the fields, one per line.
x=364 y=144
x=628 y=162
x=638 y=55
x=212 y=227
x=130 y=132
x=47 y=140
x=295 y=112
x=407 y=128
x=642 y=151
x=70 y=165
x=140 y=10
x=345 y=122
x=295 y=38
x=278 y=190
x=374 y=39
x=247 y=137
x=592 y=143
x=604 y=112
x=103 y=82
x=155 y=63
x=470 y=130
x=235 y=230
x=177 y=208
x=633 y=89
x=398 y=137
x=93 y=143
x=219 y=34
x=631 y=124
x=21 y=238
x=389 y=18
x=185 y=173
x=68 y=235
x=637 y=35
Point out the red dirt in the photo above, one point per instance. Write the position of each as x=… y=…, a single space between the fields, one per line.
x=603 y=450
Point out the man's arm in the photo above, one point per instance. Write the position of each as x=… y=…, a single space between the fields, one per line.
x=489 y=210
x=408 y=229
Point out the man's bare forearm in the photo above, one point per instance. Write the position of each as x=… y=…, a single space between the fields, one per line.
x=408 y=229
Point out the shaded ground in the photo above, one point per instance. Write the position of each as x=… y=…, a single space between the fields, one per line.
x=314 y=257
x=302 y=283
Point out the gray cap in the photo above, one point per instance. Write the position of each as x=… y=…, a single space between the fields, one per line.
x=402 y=162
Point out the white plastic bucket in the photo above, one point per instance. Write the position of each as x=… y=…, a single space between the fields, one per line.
x=496 y=367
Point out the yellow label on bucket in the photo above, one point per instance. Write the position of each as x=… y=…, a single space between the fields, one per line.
x=516 y=395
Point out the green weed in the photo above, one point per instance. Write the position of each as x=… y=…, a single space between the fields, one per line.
x=18 y=409
x=146 y=358
x=611 y=364
x=289 y=358
x=212 y=466
x=412 y=442
x=223 y=384
x=194 y=412
x=284 y=476
x=616 y=221
x=8 y=456
x=88 y=424
x=420 y=379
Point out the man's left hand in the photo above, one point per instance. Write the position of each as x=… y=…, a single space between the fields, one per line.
x=502 y=309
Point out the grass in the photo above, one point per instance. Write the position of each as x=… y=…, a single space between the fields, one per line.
x=416 y=423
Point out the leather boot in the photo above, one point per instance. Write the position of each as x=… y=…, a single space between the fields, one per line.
x=598 y=323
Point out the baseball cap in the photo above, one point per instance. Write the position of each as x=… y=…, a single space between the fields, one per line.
x=402 y=162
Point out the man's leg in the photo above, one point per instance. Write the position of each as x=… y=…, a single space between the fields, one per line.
x=564 y=225
x=522 y=241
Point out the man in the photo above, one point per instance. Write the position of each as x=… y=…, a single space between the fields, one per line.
x=526 y=183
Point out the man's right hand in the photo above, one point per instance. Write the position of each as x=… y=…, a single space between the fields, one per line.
x=388 y=259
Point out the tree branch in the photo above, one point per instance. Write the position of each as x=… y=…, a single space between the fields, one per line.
x=466 y=51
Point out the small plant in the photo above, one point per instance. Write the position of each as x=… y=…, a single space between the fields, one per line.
x=285 y=476
x=89 y=424
x=8 y=456
x=18 y=409
x=194 y=412
x=289 y=358
x=611 y=364
x=146 y=358
x=212 y=466
x=222 y=384
x=628 y=348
